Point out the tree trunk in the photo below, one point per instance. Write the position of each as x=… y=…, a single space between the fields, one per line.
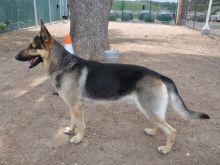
x=179 y=12
x=89 y=26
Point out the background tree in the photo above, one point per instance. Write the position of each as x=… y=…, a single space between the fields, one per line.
x=89 y=26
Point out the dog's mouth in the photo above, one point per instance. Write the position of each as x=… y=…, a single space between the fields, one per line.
x=34 y=61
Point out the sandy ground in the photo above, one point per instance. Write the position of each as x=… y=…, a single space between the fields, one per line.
x=32 y=119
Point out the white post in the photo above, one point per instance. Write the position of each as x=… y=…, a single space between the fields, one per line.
x=49 y=11
x=206 y=28
x=35 y=13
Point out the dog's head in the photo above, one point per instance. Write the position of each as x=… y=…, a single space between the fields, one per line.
x=39 y=49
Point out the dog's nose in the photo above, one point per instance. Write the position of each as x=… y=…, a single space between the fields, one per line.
x=20 y=57
x=17 y=57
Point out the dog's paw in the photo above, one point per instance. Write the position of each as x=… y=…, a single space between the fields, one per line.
x=76 y=139
x=150 y=132
x=164 y=150
x=67 y=130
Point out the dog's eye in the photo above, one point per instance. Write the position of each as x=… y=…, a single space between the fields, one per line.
x=39 y=46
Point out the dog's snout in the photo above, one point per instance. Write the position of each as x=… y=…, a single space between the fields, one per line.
x=17 y=57
x=21 y=57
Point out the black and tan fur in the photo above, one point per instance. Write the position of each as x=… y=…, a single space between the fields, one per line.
x=78 y=80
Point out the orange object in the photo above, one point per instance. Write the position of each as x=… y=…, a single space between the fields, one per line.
x=68 y=40
x=68 y=44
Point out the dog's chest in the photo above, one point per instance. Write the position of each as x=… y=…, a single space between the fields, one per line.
x=56 y=79
x=70 y=85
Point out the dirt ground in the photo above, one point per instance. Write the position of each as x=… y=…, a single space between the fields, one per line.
x=32 y=119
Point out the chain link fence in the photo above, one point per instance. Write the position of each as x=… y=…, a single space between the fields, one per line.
x=144 y=11
x=195 y=12
x=18 y=14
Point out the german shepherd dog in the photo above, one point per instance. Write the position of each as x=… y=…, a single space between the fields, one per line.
x=78 y=80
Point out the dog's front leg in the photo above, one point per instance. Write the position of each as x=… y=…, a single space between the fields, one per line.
x=79 y=121
x=70 y=129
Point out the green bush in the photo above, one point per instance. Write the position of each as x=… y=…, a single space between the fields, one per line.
x=164 y=17
x=113 y=17
x=127 y=16
x=2 y=26
x=142 y=16
x=8 y=22
x=149 y=18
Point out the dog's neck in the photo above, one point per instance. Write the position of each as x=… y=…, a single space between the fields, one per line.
x=57 y=53
x=60 y=59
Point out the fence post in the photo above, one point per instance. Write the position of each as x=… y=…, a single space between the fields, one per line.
x=122 y=10
x=194 y=20
x=60 y=10
x=35 y=13
x=49 y=11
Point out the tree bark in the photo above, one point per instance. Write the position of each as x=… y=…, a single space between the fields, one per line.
x=179 y=12
x=89 y=26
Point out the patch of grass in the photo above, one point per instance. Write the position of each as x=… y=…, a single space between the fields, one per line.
x=137 y=6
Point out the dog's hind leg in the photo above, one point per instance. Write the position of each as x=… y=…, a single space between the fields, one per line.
x=79 y=120
x=170 y=132
x=152 y=101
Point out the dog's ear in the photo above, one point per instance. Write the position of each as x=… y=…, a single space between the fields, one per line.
x=44 y=32
x=46 y=36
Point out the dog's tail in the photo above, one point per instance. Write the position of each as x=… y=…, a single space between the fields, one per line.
x=177 y=102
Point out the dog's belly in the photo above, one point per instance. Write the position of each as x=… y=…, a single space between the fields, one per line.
x=129 y=99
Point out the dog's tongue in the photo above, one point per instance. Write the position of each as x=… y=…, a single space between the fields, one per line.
x=30 y=62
